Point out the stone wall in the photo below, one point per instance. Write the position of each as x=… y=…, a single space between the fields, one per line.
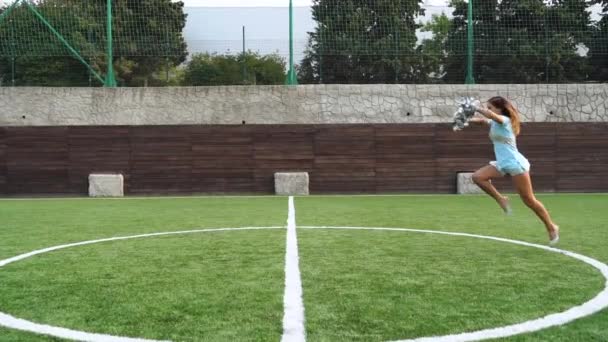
x=305 y=104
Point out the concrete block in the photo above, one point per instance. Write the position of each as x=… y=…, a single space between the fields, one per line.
x=291 y=183
x=106 y=185
x=465 y=184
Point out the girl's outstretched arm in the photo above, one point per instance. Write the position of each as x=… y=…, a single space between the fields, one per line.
x=479 y=121
x=490 y=115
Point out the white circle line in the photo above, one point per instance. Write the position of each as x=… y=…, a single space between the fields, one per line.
x=590 y=307
x=596 y=304
x=11 y=322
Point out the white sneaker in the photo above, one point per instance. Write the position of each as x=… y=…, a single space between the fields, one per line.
x=554 y=238
x=507 y=209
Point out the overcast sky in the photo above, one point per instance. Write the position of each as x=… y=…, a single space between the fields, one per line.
x=268 y=3
x=255 y=3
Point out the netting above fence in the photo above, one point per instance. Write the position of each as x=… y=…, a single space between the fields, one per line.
x=47 y=27
x=391 y=41
x=335 y=41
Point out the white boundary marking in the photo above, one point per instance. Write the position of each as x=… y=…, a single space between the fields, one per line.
x=293 y=319
x=135 y=197
x=596 y=304
x=11 y=322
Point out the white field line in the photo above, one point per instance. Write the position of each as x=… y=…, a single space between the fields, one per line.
x=293 y=319
x=596 y=304
x=21 y=324
x=11 y=322
x=8 y=199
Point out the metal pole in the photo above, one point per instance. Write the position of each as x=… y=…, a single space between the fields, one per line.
x=13 y=71
x=397 y=49
x=13 y=53
x=110 y=77
x=167 y=66
x=167 y=52
x=244 y=59
x=470 y=79
x=292 y=79
x=547 y=59
x=90 y=40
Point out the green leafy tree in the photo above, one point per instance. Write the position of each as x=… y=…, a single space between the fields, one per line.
x=433 y=50
x=249 y=68
x=598 y=47
x=308 y=69
x=520 y=41
x=152 y=38
x=147 y=38
x=362 y=41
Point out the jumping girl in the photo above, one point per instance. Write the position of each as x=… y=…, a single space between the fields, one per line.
x=503 y=119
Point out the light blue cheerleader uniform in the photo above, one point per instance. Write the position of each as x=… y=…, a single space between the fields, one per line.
x=508 y=159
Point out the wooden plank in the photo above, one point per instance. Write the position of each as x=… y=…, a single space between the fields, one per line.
x=403 y=140
x=3 y=160
x=160 y=159
x=591 y=183
x=339 y=158
x=404 y=158
x=538 y=143
x=472 y=142
x=342 y=185
x=345 y=140
x=37 y=160
x=283 y=148
x=405 y=175
x=93 y=149
x=345 y=159
x=582 y=157
x=404 y=130
x=221 y=184
x=416 y=184
x=222 y=159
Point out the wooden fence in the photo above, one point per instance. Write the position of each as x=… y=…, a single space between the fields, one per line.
x=358 y=158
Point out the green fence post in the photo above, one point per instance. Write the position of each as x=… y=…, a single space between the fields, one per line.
x=470 y=79
x=110 y=77
x=292 y=79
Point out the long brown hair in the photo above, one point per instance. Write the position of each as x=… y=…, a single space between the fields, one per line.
x=507 y=109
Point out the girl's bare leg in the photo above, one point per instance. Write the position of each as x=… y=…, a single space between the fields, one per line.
x=523 y=185
x=482 y=178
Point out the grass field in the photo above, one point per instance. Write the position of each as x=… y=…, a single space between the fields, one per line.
x=358 y=285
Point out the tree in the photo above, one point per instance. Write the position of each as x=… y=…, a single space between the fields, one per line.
x=308 y=70
x=249 y=68
x=362 y=41
x=152 y=38
x=147 y=37
x=433 y=51
x=598 y=47
x=520 y=41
